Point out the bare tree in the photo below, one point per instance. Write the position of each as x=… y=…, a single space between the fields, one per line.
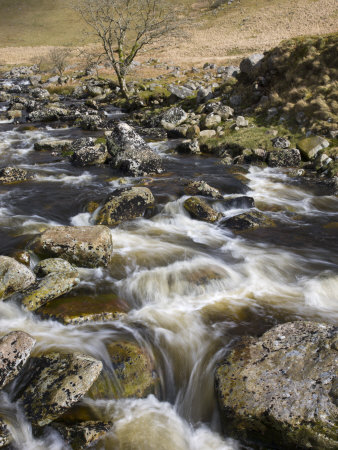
x=59 y=57
x=126 y=27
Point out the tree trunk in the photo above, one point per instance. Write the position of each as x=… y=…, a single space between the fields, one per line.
x=123 y=85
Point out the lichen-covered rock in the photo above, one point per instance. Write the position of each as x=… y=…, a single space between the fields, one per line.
x=202 y=188
x=125 y=204
x=89 y=156
x=10 y=175
x=247 y=220
x=52 y=265
x=81 y=309
x=280 y=142
x=134 y=370
x=15 y=349
x=40 y=93
x=241 y=202
x=309 y=147
x=282 y=387
x=284 y=158
x=130 y=153
x=180 y=92
x=173 y=117
x=218 y=108
x=13 y=276
x=82 y=246
x=5 y=437
x=91 y=122
x=50 y=114
x=50 y=287
x=199 y=209
x=53 y=145
x=84 y=434
x=56 y=382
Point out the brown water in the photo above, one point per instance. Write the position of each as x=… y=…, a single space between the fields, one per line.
x=192 y=287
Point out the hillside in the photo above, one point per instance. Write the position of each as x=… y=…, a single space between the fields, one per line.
x=214 y=34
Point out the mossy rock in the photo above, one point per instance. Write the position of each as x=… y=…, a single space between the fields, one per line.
x=309 y=147
x=199 y=209
x=80 y=309
x=134 y=373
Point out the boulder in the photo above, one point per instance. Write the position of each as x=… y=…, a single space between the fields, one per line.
x=218 y=108
x=241 y=202
x=280 y=142
x=208 y=134
x=247 y=220
x=84 y=434
x=212 y=121
x=281 y=388
x=130 y=153
x=50 y=114
x=15 y=349
x=91 y=122
x=284 y=158
x=52 y=265
x=125 y=204
x=53 y=145
x=9 y=175
x=89 y=156
x=251 y=65
x=202 y=188
x=190 y=146
x=80 y=309
x=199 y=209
x=82 y=246
x=241 y=122
x=35 y=80
x=13 y=276
x=180 y=92
x=134 y=372
x=50 y=287
x=56 y=382
x=5 y=437
x=309 y=147
x=204 y=94
x=40 y=93
x=173 y=117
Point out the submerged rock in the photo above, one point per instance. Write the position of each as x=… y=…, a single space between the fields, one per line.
x=89 y=156
x=13 y=276
x=130 y=153
x=84 y=434
x=82 y=246
x=281 y=388
x=125 y=204
x=10 y=175
x=199 y=209
x=202 y=188
x=5 y=437
x=15 y=349
x=247 y=220
x=81 y=309
x=57 y=381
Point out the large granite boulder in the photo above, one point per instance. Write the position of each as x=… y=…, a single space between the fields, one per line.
x=89 y=156
x=199 y=209
x=173 y=117
x=82 y=246
x=284 y=158
x=125 y=204
x=281 y=388
x=56 y=382
x=13 y=276
x=311 y=146
x=15 y=349
x=130 y=153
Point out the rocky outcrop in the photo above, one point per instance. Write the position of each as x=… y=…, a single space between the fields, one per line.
x=125 y=204
x=89 y=156
x=84 y=434
x=13 y=276
x=282 y=387
x=9 y=175
x=284 y=158
x=15 y=349
x=247 y=220
x=202 y=188
x=199 y=209
x=82 y=246
x=130 y=153
x=56 y=382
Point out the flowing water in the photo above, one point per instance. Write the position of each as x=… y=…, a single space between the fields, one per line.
x=193 y=287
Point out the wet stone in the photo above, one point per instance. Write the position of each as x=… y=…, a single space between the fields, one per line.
x=199 y=209
x=247 y=220
x=57 y=381
x=51 y=265
x=15 y=349
x=9 y=175
x=13 y=276
x=89 y=156
x=202 y=188
x=84 y=434
x=80 y=309
x=53 y=145
x=5 y=437
x=241 y=202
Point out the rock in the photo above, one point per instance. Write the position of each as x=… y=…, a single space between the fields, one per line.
x=14 y=114
x=134 y=370
x=208 y=134
x=247 y=220
x=81 y=309
x=50 y=287
x=190 y=146
x=53 y=145
x=80 y=92
x=173 y=117
x=77 y=144
x=193 y=132
x=91 y=122
x=241 y=122
x=35 y=80
x=5 y=437
x=40 y=94
x=9 y=175
x=13 y=276
x=84 y=434
x=242 y=202
x=89 y=156
x=202 y=188
x=199 y=209
x=180 y=92
x=55 y=382
x=82 y=246
x=322 y=162
x=218 y=108
x=231 y=71
x=251 y=65
x=212 y=120
x=50 y=114
x=15 y=349
x=280 y=142
x=284 y=158
x=125 y=204
x=309 y=147
x=282 y=387
x=22 y=257
x=130 y=153
x=4 y=97
x=204 y=94
x=94 y=91
x=52 y=265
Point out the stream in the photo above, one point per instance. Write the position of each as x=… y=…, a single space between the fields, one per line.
x=193 y=288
